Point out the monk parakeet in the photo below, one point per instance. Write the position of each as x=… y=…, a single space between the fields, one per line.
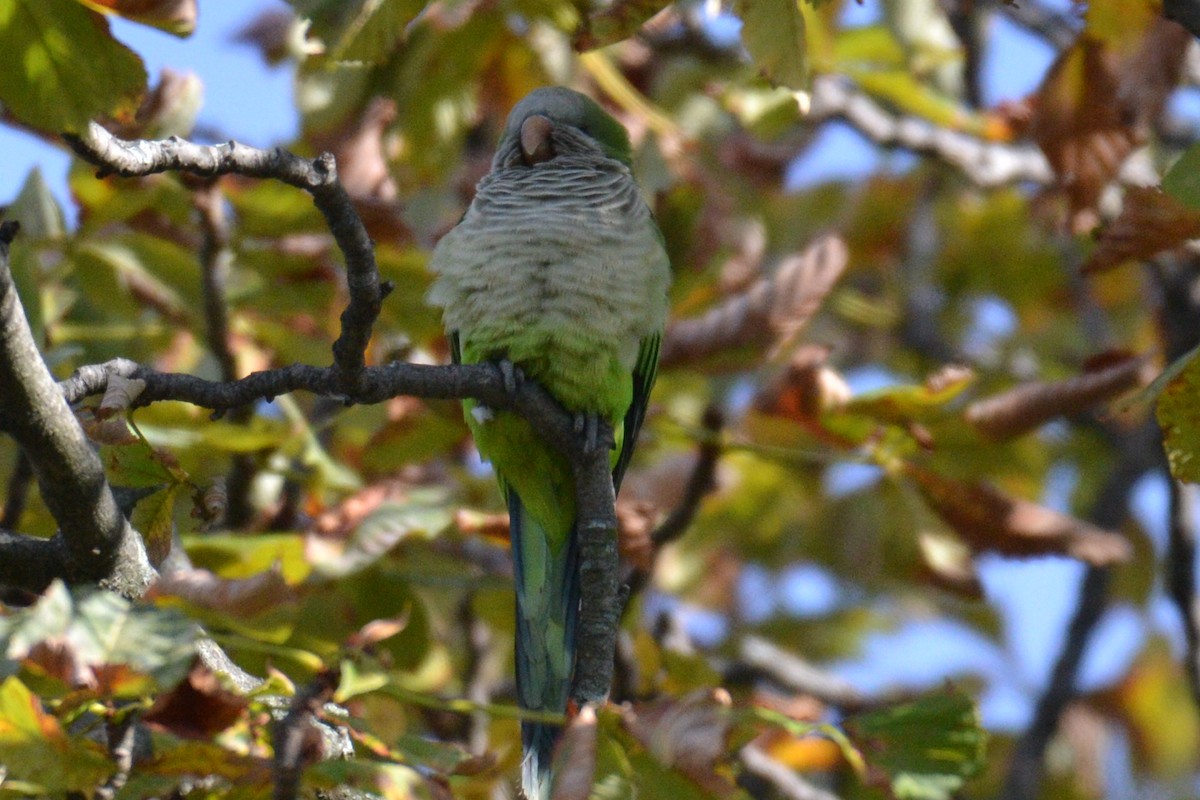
x=557 y=269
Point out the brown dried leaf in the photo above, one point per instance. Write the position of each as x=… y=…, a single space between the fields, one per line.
x=58 y=658
x=358 y=147
x=1024 y=408
x=1095 y=106
x=341 y=521
x=175 y=16
x=240 y=597
x=749 y=238
x=771 y=312
x=378 y=630
x=988 y=519
x=169 y=109
x=198 y=708
x=575 y=758
x=805 y=389
x=113 y=431
x=269 y=33
x=1150 y=222
x=690 y=734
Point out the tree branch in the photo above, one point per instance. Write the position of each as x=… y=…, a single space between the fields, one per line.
x=95 y=541
x=599 y=562
x=297 y=738
x=216 y=261
x=1138 y=453
x=594 y=496
x=985 y=163
x=762 y=658
x=700 y=483
x=318 y=177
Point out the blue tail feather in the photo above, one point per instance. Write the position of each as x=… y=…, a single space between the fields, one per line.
x=539 y=739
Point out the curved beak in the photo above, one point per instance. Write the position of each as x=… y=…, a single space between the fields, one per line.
x=535 y=140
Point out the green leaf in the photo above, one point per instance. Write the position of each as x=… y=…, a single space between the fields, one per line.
x=137 y=465
x=182 y=758
x=71 y=68
x=389 y=781
x=1182 y=180
x=416 y=437
x=112 y=270
x=903 y=90
x=359 y=30
x=928 y=747
x=377 y=30
x=869 y=44
x=104 y=629
x=1179 y=418
x=236 y=556
x=35 y=748
x=258 y=434
x=773 y=32
x=154 y=519
x=615 y=22
x=914 y=402
x=333 y=611
x=36 y=209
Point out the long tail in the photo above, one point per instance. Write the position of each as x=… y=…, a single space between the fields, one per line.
x=547 y=585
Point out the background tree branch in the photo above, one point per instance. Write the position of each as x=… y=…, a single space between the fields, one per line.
x=95 y=542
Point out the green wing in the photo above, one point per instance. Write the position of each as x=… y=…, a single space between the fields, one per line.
x=644 y=373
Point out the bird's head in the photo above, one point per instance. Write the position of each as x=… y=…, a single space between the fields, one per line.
x=556 y=121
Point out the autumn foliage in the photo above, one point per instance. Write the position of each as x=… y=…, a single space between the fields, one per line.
x=884 y=381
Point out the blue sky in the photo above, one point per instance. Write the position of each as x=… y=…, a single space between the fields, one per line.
x=243 y=98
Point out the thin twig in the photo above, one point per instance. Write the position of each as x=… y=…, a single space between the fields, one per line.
x=297 y=738
x=701 y=482
x=216 y=261
x=122 y=740
x=1138 y=453
x=318 y=177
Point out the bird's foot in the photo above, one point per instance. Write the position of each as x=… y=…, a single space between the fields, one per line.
x=511 y=374
x=588 y=425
